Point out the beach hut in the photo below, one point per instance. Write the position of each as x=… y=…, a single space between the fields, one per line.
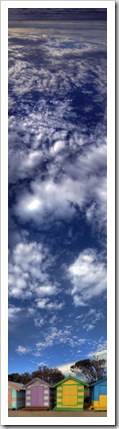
x=16 y=395
x=38 y=394
x=69 y=394
x=98 y=395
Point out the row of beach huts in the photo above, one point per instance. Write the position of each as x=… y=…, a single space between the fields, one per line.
x=67 y=394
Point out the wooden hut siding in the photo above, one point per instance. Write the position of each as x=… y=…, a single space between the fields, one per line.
x=37 y=394
x=69 y=394
x=98 y=395
x=16 y=396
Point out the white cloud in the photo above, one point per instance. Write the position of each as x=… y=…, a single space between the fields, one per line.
x=100 y=352
x=88 y=277
x=28 y=272
x=13 y=313
x=59 y=336
x=22 y=350
x=65 y=369
x=80 y=183
x=47 y=290
x=90 y=319
x=58 y=146
x=83 y=182
x=89 y=327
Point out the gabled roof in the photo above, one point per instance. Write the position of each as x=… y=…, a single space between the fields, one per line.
x=37 y=379
x=16 y=386
x=98 y=382
x=71 y=378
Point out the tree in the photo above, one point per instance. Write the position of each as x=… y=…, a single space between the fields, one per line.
x=90 y=369
x=14 y=377
x=26 y=377
x=50 y=375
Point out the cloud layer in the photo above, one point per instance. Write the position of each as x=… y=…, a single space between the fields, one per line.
x=57 y=190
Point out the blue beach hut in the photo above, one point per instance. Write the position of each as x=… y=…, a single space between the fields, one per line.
x=98 y=395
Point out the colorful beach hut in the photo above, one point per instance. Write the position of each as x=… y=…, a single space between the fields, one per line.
x=38 y=394
x=70 y=394
x=16 y=395
x=98 y=395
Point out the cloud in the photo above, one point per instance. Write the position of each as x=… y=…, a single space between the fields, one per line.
x=88 y=277
x=28 y=277
x=100 y=352
x=22 y=350
x=13 y=313
x=54 y=14
x=64 y=163
x=45 y=303
x=57 y=336
x=81 y=182
x=89 y=320
x=59 y=147
x=65 y=369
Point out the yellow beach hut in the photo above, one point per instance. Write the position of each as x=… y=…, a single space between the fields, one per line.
x=70 y=394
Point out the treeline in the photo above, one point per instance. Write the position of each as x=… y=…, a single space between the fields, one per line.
x=50 y=375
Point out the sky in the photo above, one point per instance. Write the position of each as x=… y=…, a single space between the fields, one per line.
x=57 y=188
x=69 y=14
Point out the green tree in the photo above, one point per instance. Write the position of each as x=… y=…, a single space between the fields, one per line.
x=15 y=376
x=26 y=377
x=90 y=369
x=50 y=375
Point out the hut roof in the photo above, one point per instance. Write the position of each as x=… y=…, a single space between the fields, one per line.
x=37 y=379
x=16 y=386
x=71 y=378
x=98 y=382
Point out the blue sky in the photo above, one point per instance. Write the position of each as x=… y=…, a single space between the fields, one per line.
x=57 y=193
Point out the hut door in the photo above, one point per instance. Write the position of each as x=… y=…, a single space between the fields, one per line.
x=37 y=394
x=69 y=395
x=9 y=397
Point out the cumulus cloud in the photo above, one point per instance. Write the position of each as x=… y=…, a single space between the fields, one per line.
x=65 y=369
x=101 y=351
x=80 y=183
x=28 y=275
x=22 y=350
x=57 y=172
x=48 y=137
x=88 y=277
x=13 y=313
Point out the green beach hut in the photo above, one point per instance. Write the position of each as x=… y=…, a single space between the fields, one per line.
x=70 y=394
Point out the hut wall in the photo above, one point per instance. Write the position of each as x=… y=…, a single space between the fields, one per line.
x=12 y=397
